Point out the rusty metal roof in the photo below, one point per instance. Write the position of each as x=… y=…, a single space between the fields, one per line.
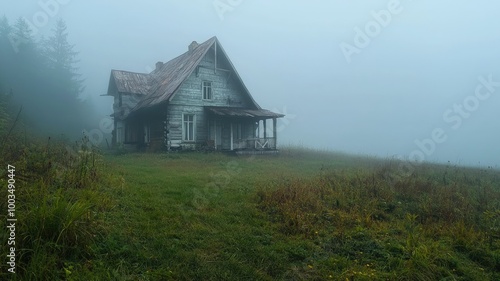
x=130 y=82
x=243 y=112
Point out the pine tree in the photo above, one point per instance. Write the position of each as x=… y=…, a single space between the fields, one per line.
x=43 y=77
x=5 y=48
x=26 y=51
x=24 y=63
x=22 y=38
x=61 y=59
x=5 y=28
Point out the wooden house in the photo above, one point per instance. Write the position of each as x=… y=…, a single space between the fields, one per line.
x=194 y=101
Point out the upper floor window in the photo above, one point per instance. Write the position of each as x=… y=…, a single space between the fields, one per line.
x=206 y=89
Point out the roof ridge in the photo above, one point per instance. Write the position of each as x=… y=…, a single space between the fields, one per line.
x=129 y=71
x=186 y=52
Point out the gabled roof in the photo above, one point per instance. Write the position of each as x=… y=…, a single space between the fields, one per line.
x=167 y=79
x=160 y=85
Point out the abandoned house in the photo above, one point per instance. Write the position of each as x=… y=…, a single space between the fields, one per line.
x=194 y=101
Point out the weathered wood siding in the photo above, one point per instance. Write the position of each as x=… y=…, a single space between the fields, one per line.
x=226 y=91
x=119 y=132
x=175 y=114
x=128 y=102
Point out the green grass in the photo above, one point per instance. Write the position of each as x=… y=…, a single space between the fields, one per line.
x=301 y=215
x=59 y=206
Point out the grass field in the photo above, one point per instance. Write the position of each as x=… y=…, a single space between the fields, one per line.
x=301 y=215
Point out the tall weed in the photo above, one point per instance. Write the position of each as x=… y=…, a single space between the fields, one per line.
x=58 y=205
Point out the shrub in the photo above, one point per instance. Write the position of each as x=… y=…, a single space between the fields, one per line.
x=420 y=226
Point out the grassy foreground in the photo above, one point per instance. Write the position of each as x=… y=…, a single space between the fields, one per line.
x=302 y=215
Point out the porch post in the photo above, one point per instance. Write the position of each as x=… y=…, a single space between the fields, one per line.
x=274 y=134
x=232 y=145
x=265 y=129
x=255 y=128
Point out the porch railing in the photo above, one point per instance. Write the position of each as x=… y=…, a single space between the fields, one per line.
x=255 y=143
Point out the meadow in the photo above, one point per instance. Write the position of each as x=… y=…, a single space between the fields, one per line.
x=300 y=215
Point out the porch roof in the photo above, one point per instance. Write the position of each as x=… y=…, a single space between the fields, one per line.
x=243 y=112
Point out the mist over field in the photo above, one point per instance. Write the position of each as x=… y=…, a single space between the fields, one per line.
x=249 y=140
x=417 y=80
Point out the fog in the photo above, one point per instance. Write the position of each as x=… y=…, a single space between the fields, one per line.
x=410 y=78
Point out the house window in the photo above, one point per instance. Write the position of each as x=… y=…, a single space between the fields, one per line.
x=120 y=99
x=188 y=127
x=206 y=89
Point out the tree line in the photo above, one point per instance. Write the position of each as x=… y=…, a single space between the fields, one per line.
x=41 y=76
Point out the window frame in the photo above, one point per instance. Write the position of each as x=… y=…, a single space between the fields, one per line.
x=208 y=96
x=185 y=134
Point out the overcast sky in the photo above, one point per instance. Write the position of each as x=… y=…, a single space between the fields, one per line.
x=371 y=77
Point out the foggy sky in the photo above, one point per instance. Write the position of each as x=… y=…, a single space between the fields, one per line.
x=415 y=77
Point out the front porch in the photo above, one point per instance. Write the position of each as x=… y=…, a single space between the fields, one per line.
x=242 y=130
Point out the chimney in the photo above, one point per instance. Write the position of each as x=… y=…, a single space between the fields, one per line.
x=193 y=46
x=159 y=65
